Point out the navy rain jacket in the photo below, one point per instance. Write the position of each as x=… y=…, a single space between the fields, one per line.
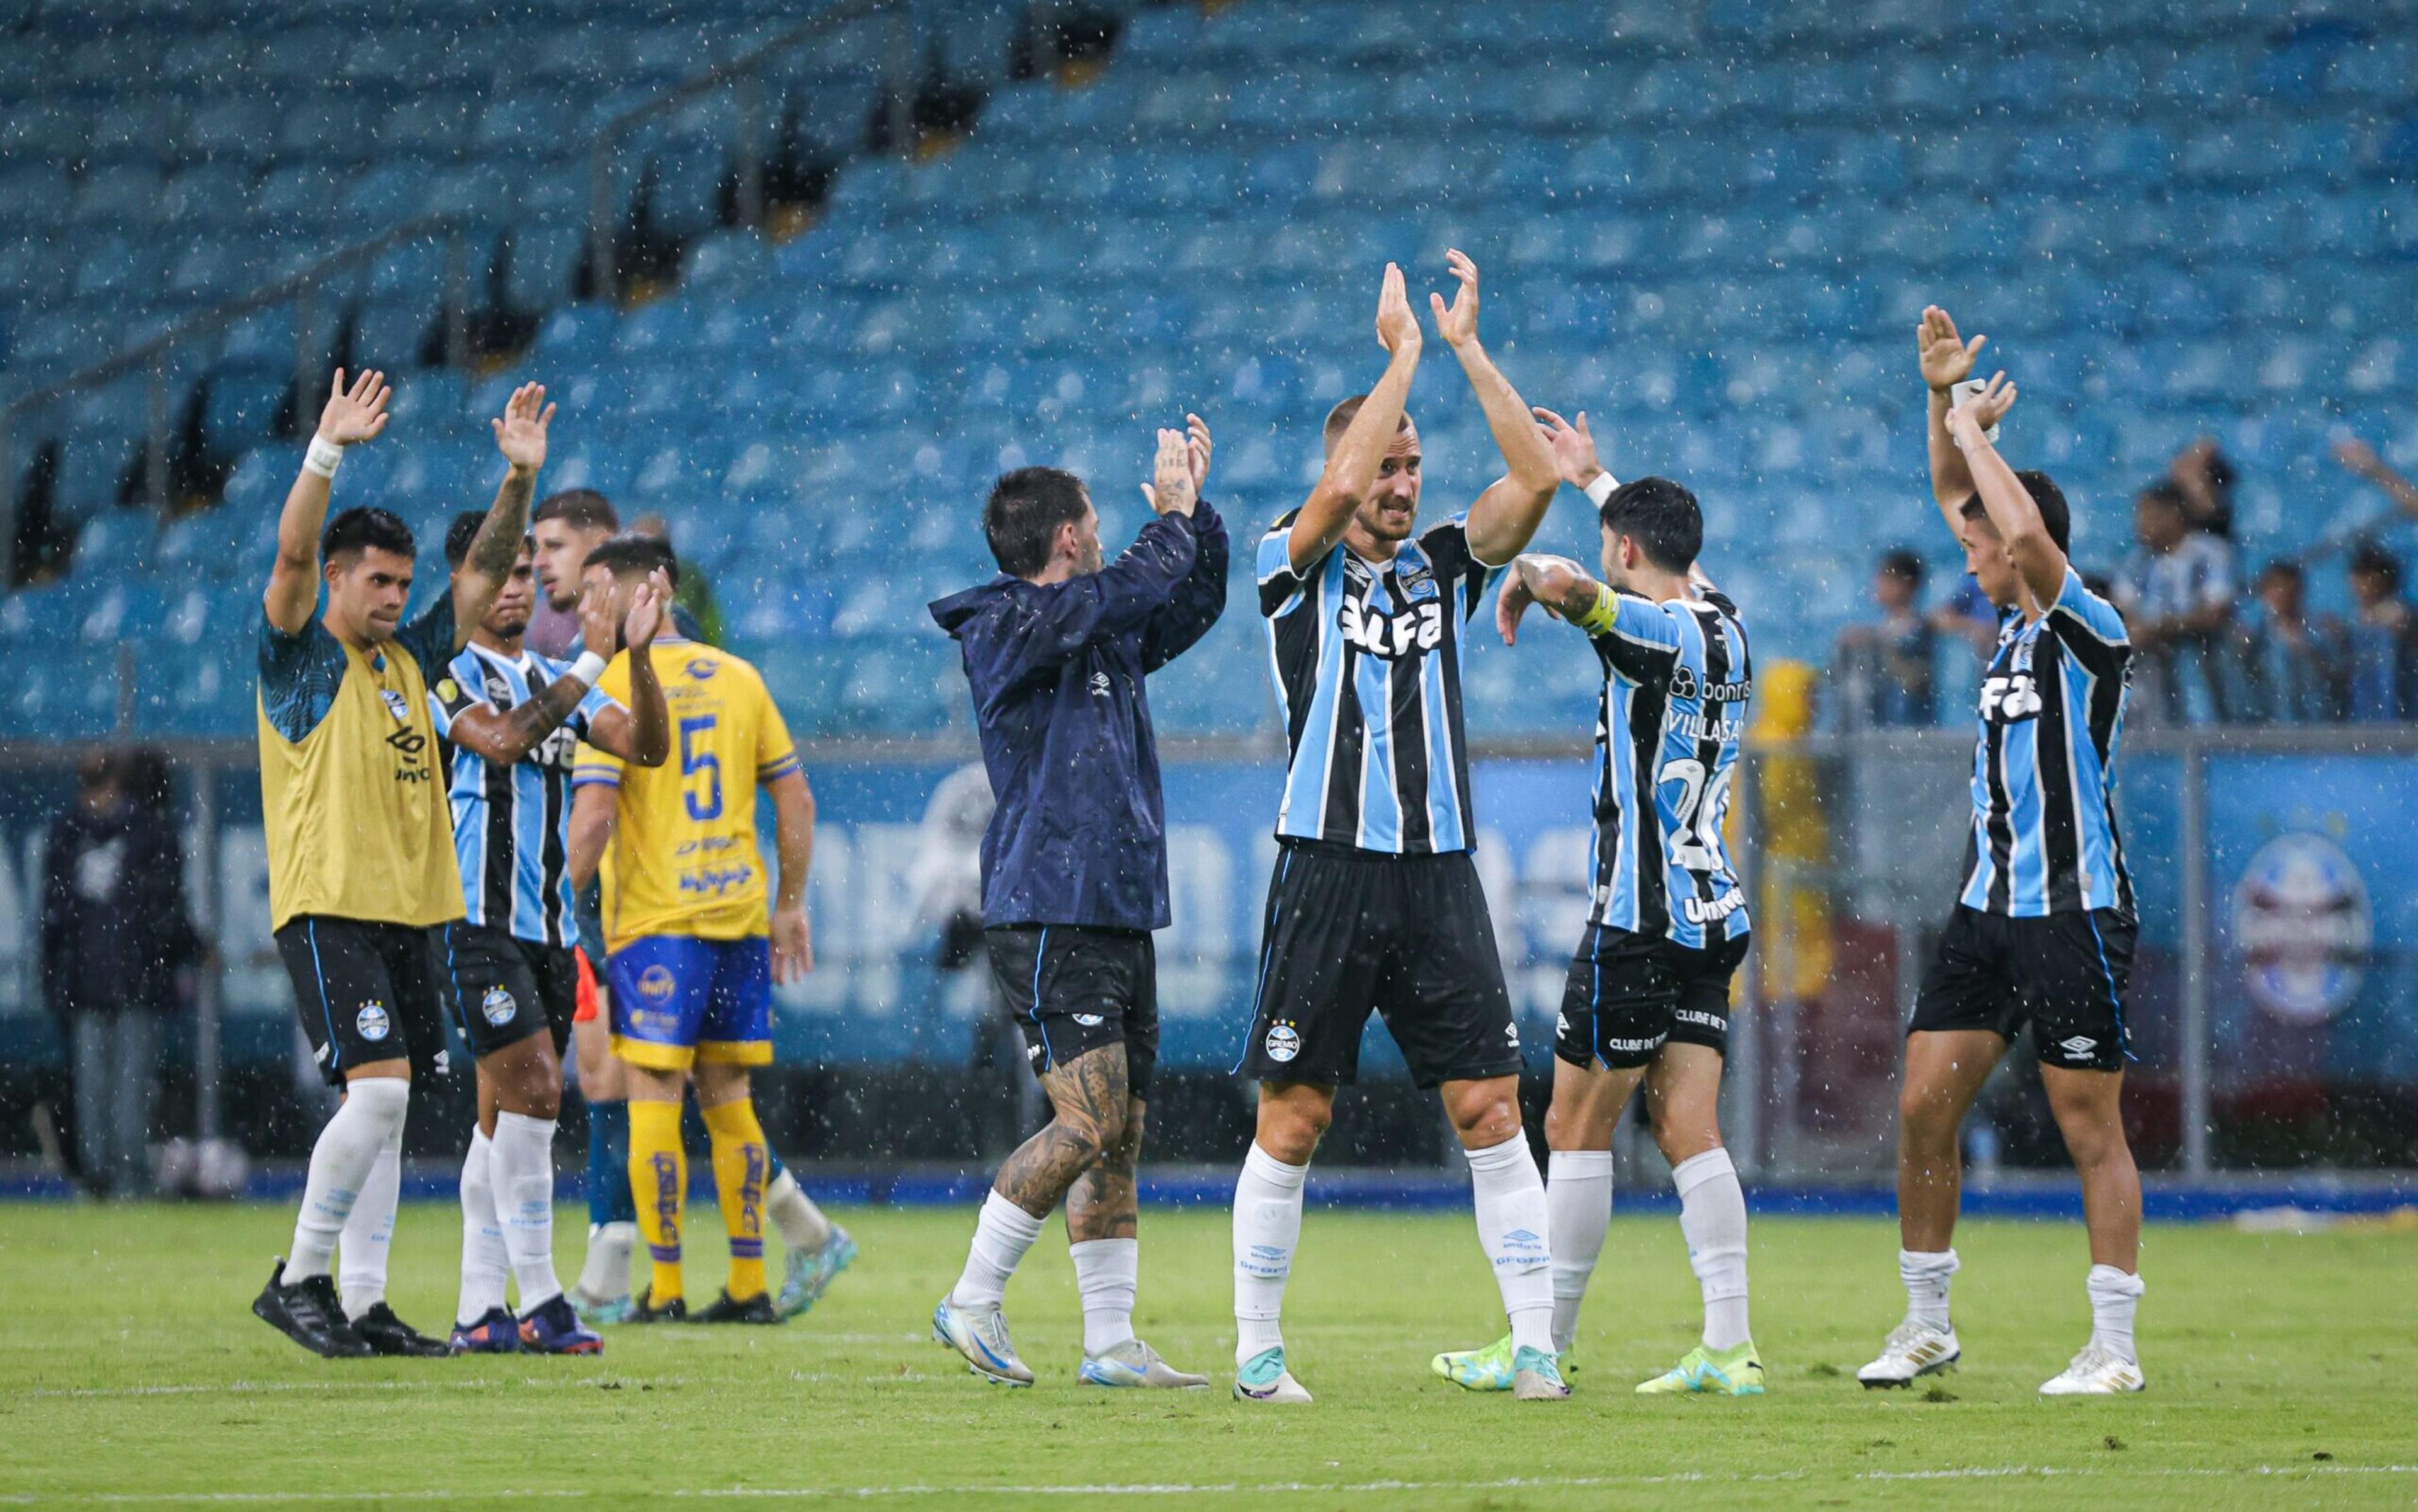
x=1080 y=836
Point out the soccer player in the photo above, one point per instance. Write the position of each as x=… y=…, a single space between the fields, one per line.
x=1647 y=996
x=511 y=719
x=1057 y=649
x=692 y=951
x=1375 y=904
x=565 y=527
x=360 y=860
x=2044 y=929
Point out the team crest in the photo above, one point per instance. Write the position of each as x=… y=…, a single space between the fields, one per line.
x=1283 y=1043
x=701 y=669
x=497 y=1007
x=1419 y=581
x=371 y=1021
x=498 y=691
x=396 y=705
x=1090 y=1020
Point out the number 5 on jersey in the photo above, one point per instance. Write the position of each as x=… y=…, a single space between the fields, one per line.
x=700 y=768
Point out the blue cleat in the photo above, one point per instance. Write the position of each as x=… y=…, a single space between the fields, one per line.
x=980 y=1335
x=496 y=1333
x=554 y=1328
x=810 y=1274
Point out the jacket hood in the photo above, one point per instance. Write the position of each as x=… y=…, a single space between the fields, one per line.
x=952 y=613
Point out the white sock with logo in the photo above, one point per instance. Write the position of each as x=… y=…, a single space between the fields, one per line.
x=1509 y=1197
x=801 y=1225
x=1001 y=1235
x=1926 y=1275
x=2114 y=1298
x=369 y=1232
x=486 y=1266
x=1712 y=1216
x=1578 y=1213
x=1107 y=1273
x=370 y=1117
x=522 y=1170
x=1268 y=1230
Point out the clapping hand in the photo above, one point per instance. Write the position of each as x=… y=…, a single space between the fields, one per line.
x=1947 y=357
x=355 y=414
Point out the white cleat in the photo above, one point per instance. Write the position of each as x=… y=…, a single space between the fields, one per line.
x=1913 y=1350
x=1264 y=1379
x=980 y=1335
x=2096 y=1371
x=1134 y=1363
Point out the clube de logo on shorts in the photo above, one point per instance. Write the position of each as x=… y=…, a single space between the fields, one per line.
x=371 y=1021
x=498 y=1006
x=2304 y=926
x=1283 y=1043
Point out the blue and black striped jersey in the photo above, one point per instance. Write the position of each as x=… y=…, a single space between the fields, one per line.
x=1366 y=662
x=2051 y=712
x=1676 y=680
x=511 y=825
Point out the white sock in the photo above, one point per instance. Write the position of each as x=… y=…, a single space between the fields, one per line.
x=802 y=1224
x=1106 y=1273
x=485 y=1265
x=371 y=1115
x=522 y=1168
x=1926 y=1275
x=369 y=1232
x=1001 y=1236
x=2114 y=1298
x=1578 y=1212
x=1267 y=1228
x=1512 y=1226
x=605 y=1275
x=1712 y=1216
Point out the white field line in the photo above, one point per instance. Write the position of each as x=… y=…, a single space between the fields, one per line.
x=1190 y=1488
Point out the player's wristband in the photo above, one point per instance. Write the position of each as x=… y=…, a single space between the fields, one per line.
x=588 y=668
x=322 y=457
x=1602 y=488
x=1597 y=621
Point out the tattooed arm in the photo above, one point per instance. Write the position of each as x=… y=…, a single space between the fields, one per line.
x=520 y=436
x=1561 y=585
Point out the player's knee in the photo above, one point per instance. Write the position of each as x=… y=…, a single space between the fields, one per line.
x=1924 y=1116
x=1684 y=1137
x=1290 y=1131
x=1484 y=1119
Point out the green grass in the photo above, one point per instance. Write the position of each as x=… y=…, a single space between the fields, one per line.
x=2280 y=1369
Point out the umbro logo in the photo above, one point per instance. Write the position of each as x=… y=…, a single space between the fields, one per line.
x=1099 y=684
x=2079 y=1045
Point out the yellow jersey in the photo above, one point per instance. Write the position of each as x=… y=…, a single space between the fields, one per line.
x=684 y=858
x=357 y=823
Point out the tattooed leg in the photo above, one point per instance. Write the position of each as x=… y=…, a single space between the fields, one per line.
x=1087 y=1096
x=1101 y=1204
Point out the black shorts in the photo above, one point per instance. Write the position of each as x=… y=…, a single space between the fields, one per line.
x=2064 y=973
x=503 y=989
x=1073 y=989
x=1630 y=994
x=1350 y=932
x=365 y=992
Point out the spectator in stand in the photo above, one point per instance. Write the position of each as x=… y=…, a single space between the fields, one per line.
x=2291 y=663
x=2177 y=591
x=2205 y=475
x=2383 y=658
x=696 y=591
x=115 y=932
x=1885 y=668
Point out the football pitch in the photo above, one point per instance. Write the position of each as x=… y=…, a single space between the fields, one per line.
x=131 y=1373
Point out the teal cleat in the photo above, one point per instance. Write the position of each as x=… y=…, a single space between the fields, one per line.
x=1537 y=1377
x=810 y=1274
x=598 y=1313
x=1264 y=1379
x=1486 y=1369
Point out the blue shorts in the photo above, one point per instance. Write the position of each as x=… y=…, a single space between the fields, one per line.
x=677 y=999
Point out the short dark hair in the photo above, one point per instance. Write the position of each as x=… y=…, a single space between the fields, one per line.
x=629 y=554
x=1905 y=563
x=2283 y=566
x=2047 y=497
x=2373 y=557
x=582 y=509
x=1338 y=421
x=2166 y=494
x=464 y=530
x=361 y=529
x=1661 y=517
x=1022 y=515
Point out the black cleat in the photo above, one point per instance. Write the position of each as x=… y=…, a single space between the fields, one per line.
x=386 y=1334
x=643 y=1310
x=756 y=1309
x=309 y=1313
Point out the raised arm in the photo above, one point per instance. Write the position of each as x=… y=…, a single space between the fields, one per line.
x=1506 y=516
x=2359 y=459
x=1064 y=618
x=640 y=734
x=520 y=436
x=1946 y=361
x=1352 y=468
x=793 y=836
x=352 y=414
x=1561 y=585
x=1195 y=603
x=2009 y=504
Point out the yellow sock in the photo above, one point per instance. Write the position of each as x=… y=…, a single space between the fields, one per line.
x=659 y=1180
x=741 y=1160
